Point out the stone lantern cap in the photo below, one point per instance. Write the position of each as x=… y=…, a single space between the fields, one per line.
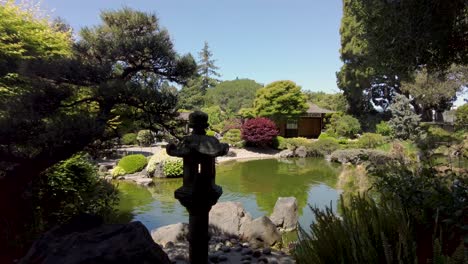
x=198 y=142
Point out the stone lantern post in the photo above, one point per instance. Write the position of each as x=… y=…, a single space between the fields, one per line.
x=199 y=191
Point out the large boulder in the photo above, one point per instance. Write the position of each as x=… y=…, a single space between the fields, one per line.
x=286 y=154
x=285 y=214
x=82 y=243
x=260 y=232
x=170 y=233
x=301 y=152
x=228 y=218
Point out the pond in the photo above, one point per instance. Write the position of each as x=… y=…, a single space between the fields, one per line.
x=257 y=184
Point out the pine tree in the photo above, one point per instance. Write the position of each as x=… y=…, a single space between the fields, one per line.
x=207 y=69
x=404 y=121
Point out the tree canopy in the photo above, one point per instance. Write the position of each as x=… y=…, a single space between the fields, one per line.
x=336 y=102
x=385 y=42
x=54 y=106
x=233 y=95
x=280 y=98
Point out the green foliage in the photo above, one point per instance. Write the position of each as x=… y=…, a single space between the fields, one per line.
x=233 y=95
x=247 y=113
x=359 y=156
x=326 y=145
x=355 y=75
x=207 y=69
x=394 y=43
x=173 y=168
x=324 y=135
x=294 y=143
x=27 y=36
x=280 y=98
x=129 y=139
x=436 y=91
x=52 y=106
x=365 y=232
x=216 y=117
x=145 y=138
x=370 y=140
x=191 y=96
x=118 y=171
x=404 y=122
x=461 y=117
x=232 y=137
x=335 y=102
x=343 y=126
x=210 y=133
x=384 y=129
x=69 y=188
x=435 y=202
x=158 y=162
x=279 y=142
x=133 y=163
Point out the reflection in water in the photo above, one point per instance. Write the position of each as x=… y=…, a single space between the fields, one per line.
x=257 y=184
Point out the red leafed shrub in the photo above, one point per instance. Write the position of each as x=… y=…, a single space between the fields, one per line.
x=259 y=131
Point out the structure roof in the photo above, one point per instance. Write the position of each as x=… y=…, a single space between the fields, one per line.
x=315 y=109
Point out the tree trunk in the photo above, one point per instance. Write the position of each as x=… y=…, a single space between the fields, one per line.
x=439 y=117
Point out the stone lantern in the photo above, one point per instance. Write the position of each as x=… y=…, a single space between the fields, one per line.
x=199 y=191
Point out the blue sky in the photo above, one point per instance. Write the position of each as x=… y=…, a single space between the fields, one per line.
x=263 y=40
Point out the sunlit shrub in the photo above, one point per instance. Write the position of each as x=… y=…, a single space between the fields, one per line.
x=461 y=117
x=358 y=156
x=327 y=145
x=210 y=133
x=384 y=129
x=279 y=142
x=294 y=143
x=232 y=137
x=370 y=140
x=133 y=163
x=158 y=162
x=173 y=168
x=343 y=126
x=364 y=232
x=145 y=138
x=118 y=171
x=69 y=188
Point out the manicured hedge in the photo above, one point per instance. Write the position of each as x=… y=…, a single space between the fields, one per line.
x=133 y=163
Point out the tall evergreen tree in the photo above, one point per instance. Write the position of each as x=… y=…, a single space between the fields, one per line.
x=385 y=42
x=207 y=69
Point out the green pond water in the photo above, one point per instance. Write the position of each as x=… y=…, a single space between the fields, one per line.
x=257 y=184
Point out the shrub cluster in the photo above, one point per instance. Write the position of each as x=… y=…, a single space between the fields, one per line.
x=173 y=168
x=318 y=148
x=233 y=138
x=129 y=139
x=370 y=140
x=210 y=133
x=145 y=138
x=384 y=129
x=461 y=117
x=259 y=131
x=358 y=156
x=365 y=232
x=343 y=126
x=132 y=163
x=163 y=165
x=69 y=188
